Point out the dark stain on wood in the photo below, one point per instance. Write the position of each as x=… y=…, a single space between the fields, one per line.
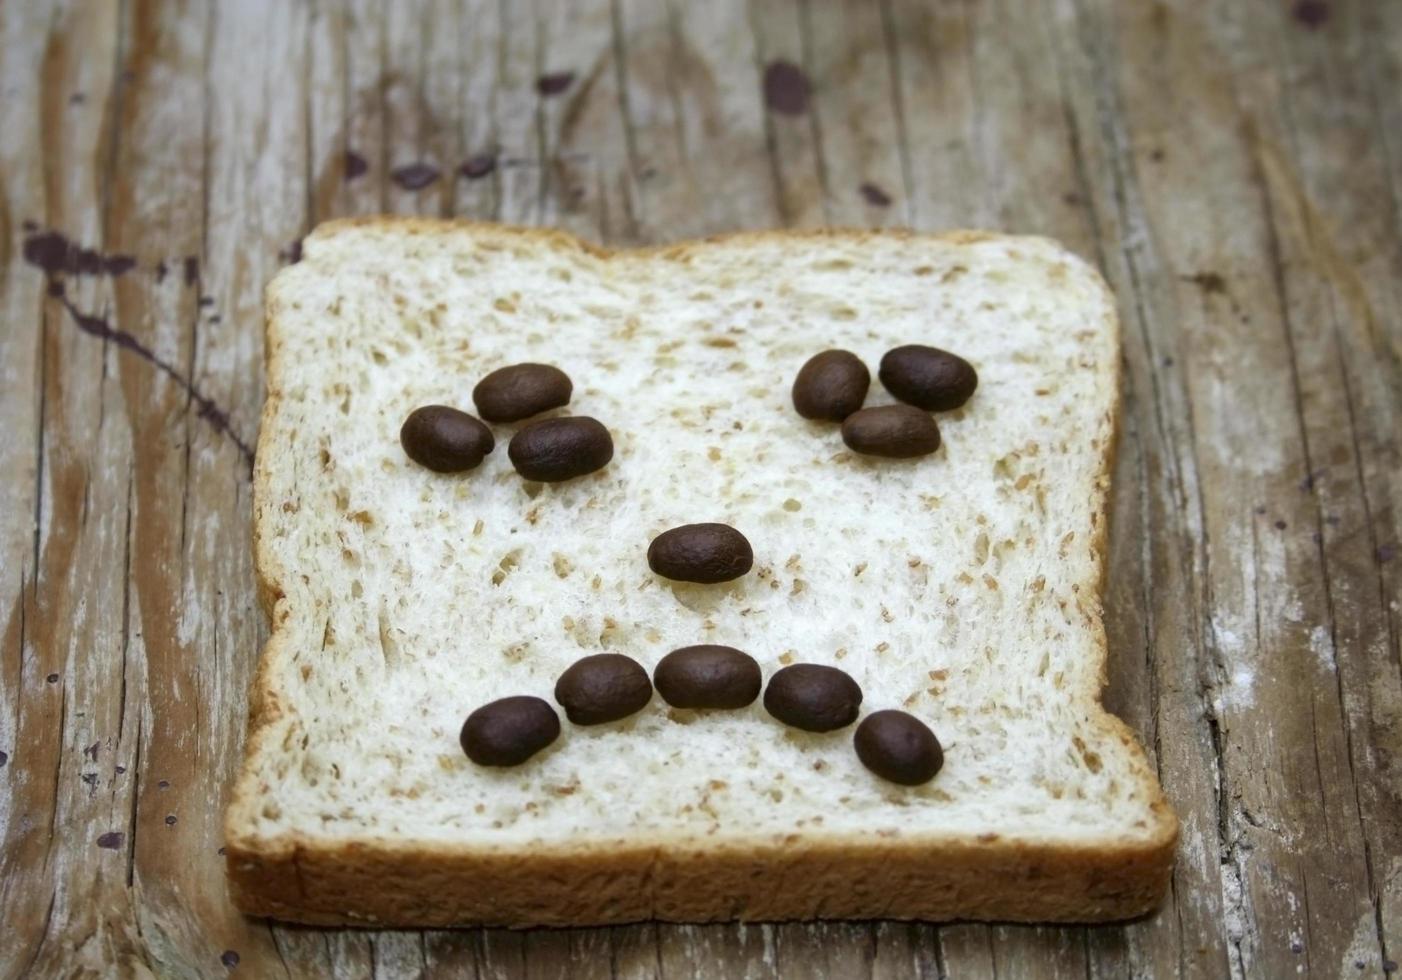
x=354 y=165
x=45 y=258
x=875 y=196
x=55 y=254
x=553 y=83
x=1209 y=282
x=478 y=165
x=414 y=176
x=1313 y=14
x=786 y=88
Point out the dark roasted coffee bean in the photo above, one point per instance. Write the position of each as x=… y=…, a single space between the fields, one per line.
x=560 y=449
x=445 y=439
x=705 y=553
x=707 y=676
x=603 y=687
x=517 y=392
x=509 y=731
x=831 y=386
x=927 y=377
x=897 y=431
x=813 y=697
x=898 y=747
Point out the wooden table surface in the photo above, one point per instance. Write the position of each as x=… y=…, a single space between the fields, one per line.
x=1235 y=168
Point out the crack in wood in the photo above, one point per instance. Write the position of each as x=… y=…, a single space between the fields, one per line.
x=135 y=804
x=97 y=326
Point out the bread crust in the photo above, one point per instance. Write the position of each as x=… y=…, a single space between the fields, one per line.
x=806 y=875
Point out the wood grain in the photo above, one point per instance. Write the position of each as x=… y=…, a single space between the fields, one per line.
x=1235 y=170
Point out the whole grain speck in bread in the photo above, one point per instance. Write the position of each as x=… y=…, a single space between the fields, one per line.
x=960 y=587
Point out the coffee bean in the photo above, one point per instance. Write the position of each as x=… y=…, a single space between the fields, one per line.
x=707 y=676
x=517 y=392
x=560 y=449
x=928 y=377
x=603 y=687
x=898 y=747
x=444 y=439
x=509 y=731
x=705 y=553
x=897 y=431
x=813 y=697
x=831 y=386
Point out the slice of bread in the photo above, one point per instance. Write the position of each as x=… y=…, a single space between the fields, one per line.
x=962 y=587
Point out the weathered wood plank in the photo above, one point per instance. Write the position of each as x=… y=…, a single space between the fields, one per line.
x=220 y=198
x=27 y=795
x=1335 y=213
x=65 y=881
x=695 y=105
x=791 y=127
x=1288 y=813
x=588 y=182
x=858 y=117
x=478 y=66
x=1154 y=603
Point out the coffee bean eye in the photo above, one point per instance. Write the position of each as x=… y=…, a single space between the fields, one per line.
x=831 y=386
x=445 y=439
x=928 y=377
x=517 y=392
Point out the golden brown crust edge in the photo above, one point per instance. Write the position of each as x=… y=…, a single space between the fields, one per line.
x=954 y=876
x=992 y=880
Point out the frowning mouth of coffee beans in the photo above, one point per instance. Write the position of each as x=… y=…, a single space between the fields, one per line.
x=610 y=687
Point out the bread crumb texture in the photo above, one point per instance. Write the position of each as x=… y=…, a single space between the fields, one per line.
x=962 y=587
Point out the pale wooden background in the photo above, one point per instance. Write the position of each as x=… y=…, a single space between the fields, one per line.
x=1235 y=168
